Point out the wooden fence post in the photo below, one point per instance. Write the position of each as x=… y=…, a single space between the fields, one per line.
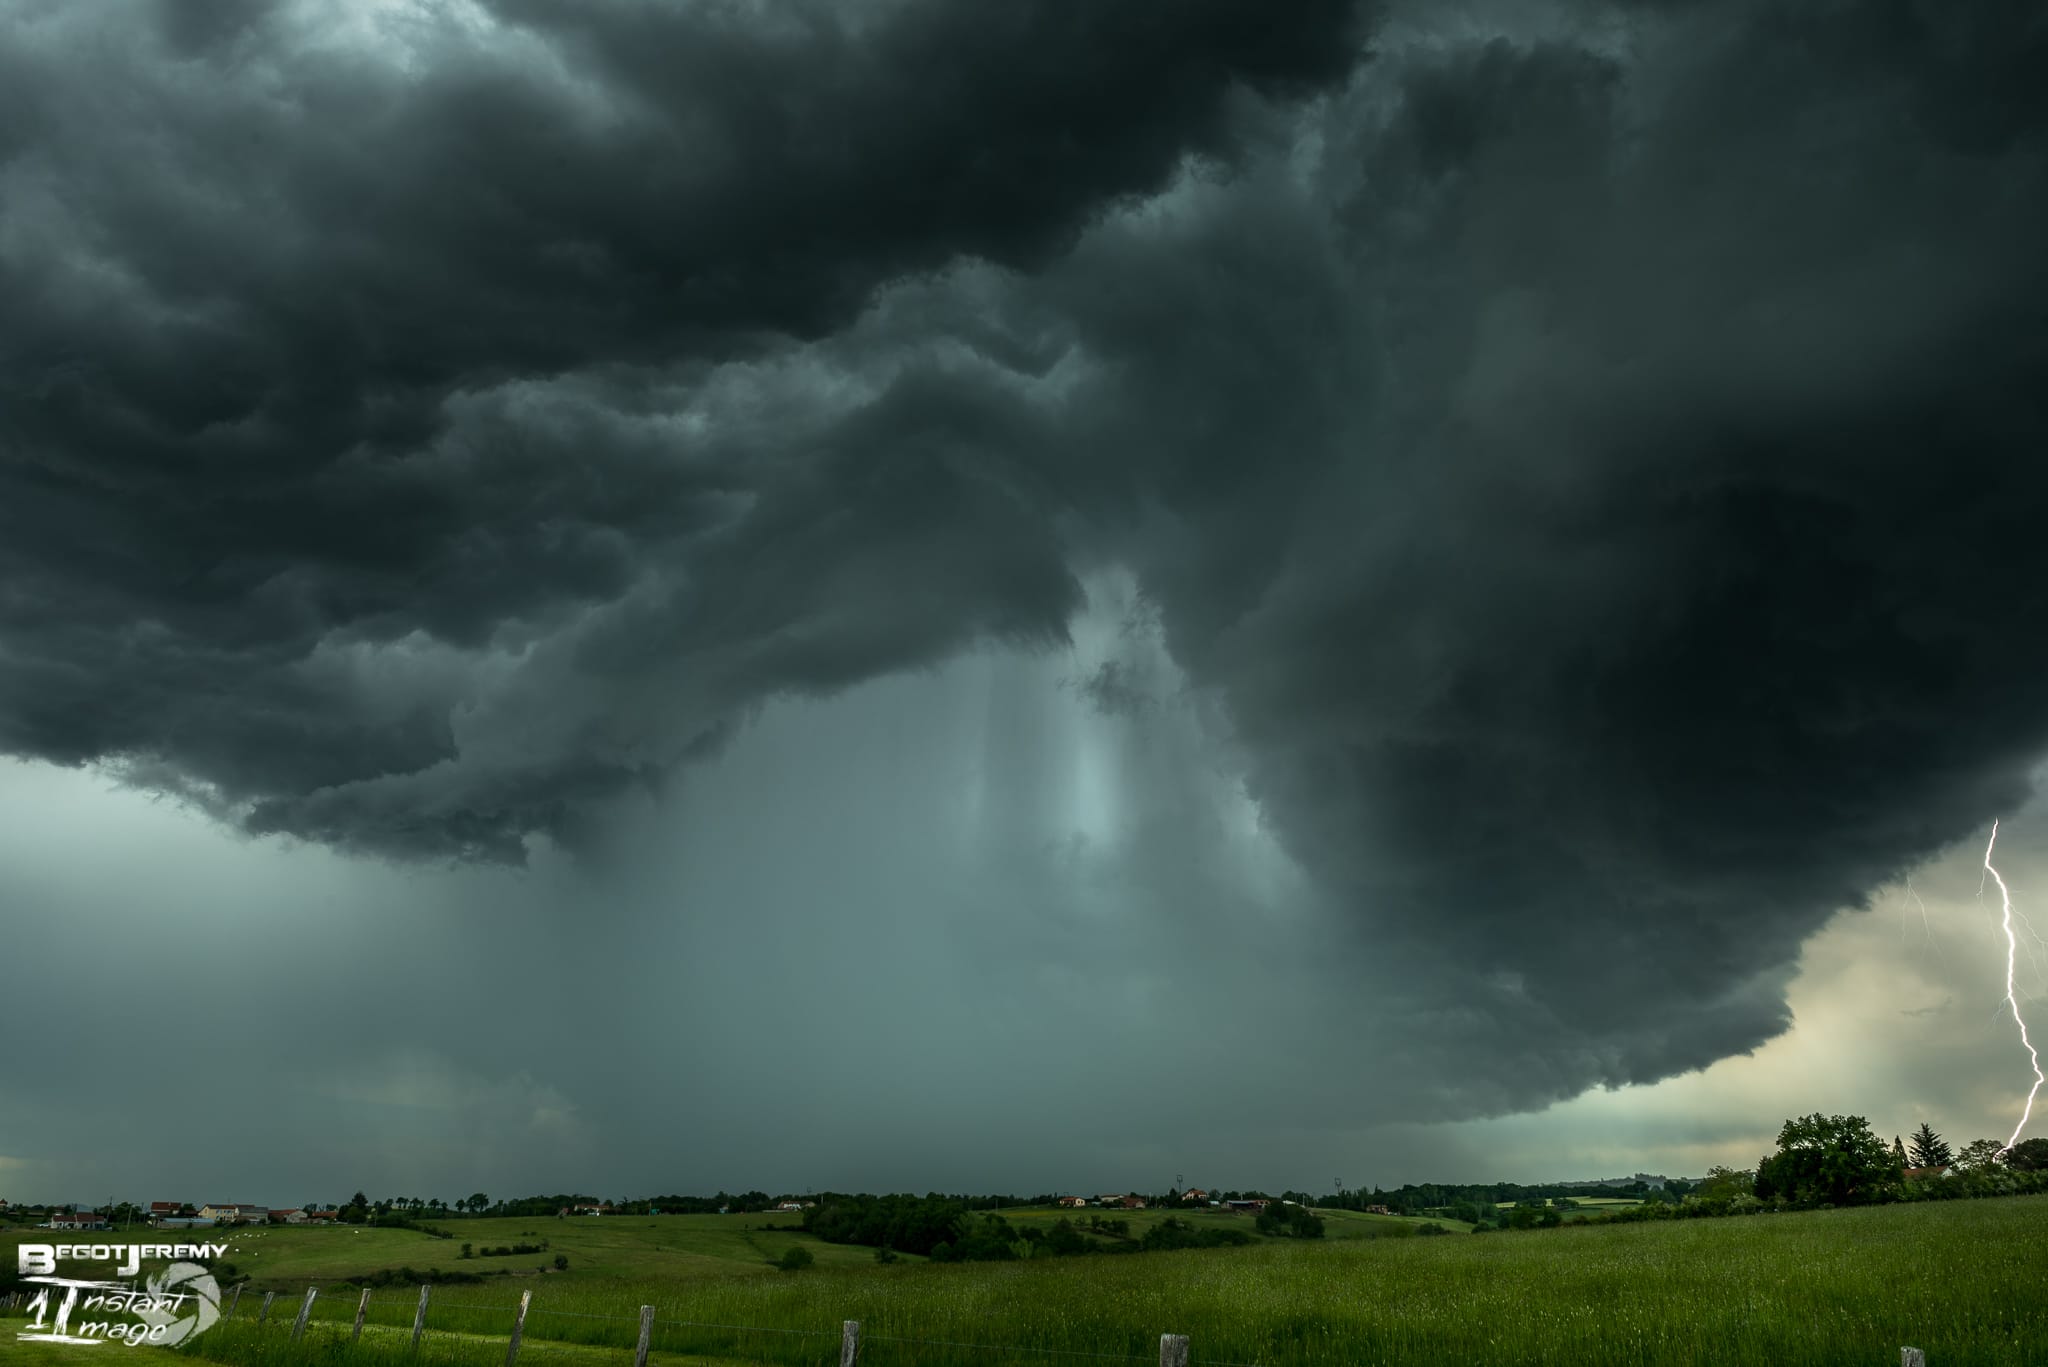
x=849 y=1342
x=268 y=1297
x=233 y=1301
x=646 y=1332
x=305 y=1309
x=1173 y=1350
x=419 y=1317
x=1912 y=1357
x=361 y=1306
x=518 y=1328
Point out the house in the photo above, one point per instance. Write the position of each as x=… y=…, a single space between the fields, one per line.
x=1072 y=1202
x=288 y=1217
x=1132 y=1202
x=1195 y=1195
x=77 y=1219
x=324 y=1215
x=163 y=1210
x=235 y=1213
x=1254 y=1205
x=586 y=1208
x=791 y=1205
x=1925 y=1174
x=1378 y=1210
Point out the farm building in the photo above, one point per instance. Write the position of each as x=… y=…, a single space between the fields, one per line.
x=1195 y=1195
x=1072 y=1202
x=234 y=1213
x=288 y=1217
x=78 y=1219
x=1255 y=1204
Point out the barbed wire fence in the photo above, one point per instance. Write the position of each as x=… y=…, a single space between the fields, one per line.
x=1174 y=1349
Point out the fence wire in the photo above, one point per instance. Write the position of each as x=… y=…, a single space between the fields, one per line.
x=283 y=1313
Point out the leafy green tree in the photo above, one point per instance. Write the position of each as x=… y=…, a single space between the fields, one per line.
x=1063 y=1240
x=1282 y=1220
x=795 y=1258
x=2029 y=1155
x=1899 y=1151
x=1827 y=1160
x=1979 y=1154
x=1723 y=1184
x=1928 y=1149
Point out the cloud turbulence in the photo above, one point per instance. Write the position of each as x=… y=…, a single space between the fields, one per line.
x=1575 y=466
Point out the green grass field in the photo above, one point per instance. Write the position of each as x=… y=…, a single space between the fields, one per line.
x=1337 y=1224
x=1962 y=1280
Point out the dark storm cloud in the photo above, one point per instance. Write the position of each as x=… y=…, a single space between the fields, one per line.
x=1614 y=522
x=273 y=298
x=1594 y=470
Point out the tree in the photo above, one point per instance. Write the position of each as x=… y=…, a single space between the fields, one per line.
x=795 y=1258
x=476 y=1203
x=1928 y=1149
x=1898 y=1151
x=1827 y=1160
x=1725 y=1184
x=2029 y=1155
x=1287 y=1220
x=1979 y=1153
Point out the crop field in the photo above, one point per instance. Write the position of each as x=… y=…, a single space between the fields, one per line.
x=1962 y=1280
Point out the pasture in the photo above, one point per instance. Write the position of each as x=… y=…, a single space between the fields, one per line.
x=1840 y=1288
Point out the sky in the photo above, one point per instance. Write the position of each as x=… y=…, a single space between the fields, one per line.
x=639 y=596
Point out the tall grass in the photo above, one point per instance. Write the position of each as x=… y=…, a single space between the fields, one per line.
x=1966 y=1281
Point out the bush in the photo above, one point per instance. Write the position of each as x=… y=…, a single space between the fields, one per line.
x=406 y=1276
x=795 y=1259
x=561 y=1262
x=885 y=1254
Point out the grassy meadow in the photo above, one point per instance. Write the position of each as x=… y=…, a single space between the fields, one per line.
x=1964 y=1280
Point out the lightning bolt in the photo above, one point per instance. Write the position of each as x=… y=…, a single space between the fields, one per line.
x=1926 y=926
x=2012 y=954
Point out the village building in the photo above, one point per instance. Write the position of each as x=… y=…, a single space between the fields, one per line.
x=77 y=1219
x=234 y=1213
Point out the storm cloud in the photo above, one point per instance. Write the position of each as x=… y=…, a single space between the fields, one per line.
x=1565 y=477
